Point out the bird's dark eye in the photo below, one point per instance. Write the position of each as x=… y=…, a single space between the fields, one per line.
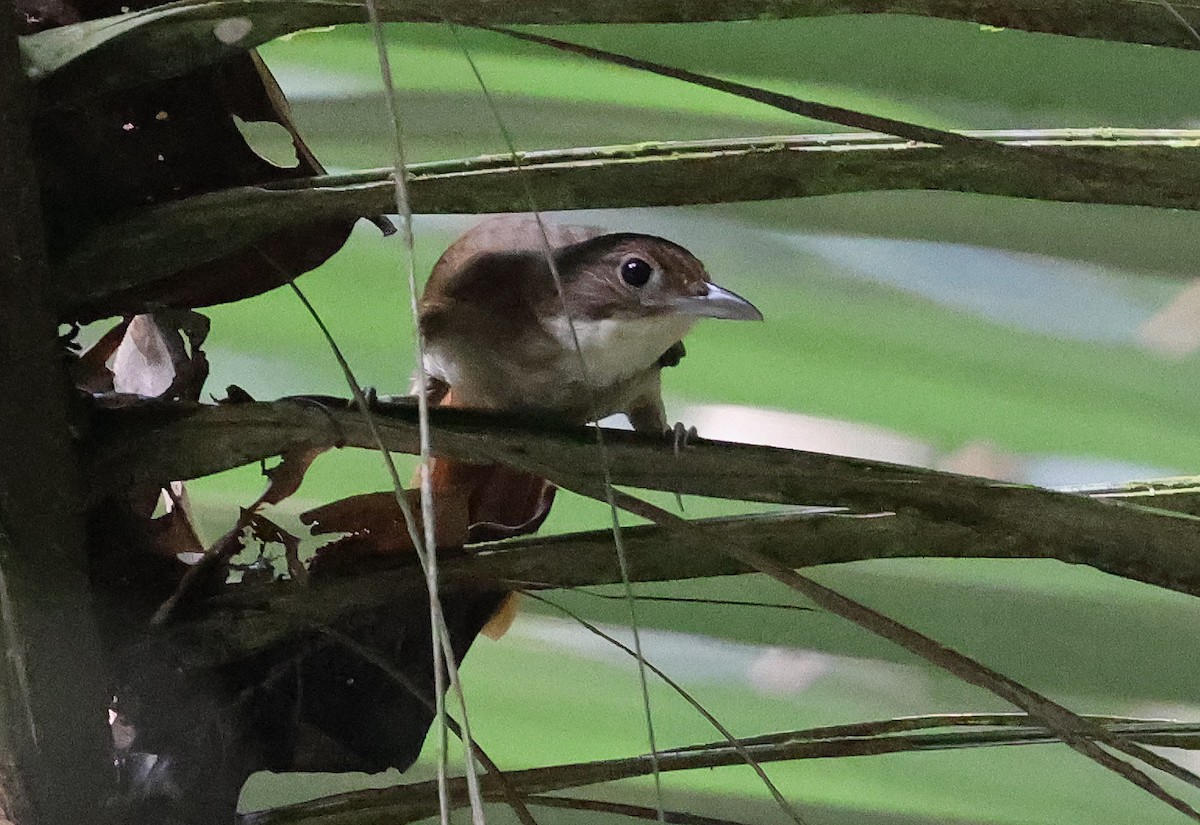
x=636 y=272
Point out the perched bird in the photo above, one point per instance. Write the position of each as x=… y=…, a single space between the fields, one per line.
x=578 y=340
x=499 y=334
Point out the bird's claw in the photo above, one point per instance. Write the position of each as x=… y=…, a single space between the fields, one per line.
x=680 y=435
x=370 y=397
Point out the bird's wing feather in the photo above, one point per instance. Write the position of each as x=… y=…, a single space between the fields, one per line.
x=508 y=233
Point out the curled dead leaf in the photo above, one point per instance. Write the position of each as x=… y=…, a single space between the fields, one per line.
x=154 y=361
x=90 y=371
x=284 y=478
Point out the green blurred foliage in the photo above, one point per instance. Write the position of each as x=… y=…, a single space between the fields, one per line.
x=838 y=343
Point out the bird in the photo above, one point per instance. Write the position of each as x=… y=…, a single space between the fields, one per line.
x=574 y=322
x=569 y=322
x=499 y=334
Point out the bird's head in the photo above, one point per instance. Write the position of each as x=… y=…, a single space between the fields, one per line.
x=628 y=276
x=502 y=334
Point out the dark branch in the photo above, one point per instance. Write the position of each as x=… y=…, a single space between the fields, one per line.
x=159 y=42
x=1124 y=167
x=903 y=511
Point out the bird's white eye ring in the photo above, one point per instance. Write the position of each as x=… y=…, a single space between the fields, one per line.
x=635 y=271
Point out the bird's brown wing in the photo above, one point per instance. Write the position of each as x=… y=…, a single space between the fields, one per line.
x=501 y=234
x=513 y=233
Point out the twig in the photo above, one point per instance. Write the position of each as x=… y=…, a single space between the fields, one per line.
x=625 y=809
x=104 y=270
x=409 y=802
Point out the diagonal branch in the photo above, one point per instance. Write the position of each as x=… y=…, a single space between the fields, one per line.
x=1079 y=734
x=625 y=809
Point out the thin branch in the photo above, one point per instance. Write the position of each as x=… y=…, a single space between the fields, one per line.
x=624 y=809
x=1004 y=729
x=683 y=599
x=787 y=103
x=409 y=802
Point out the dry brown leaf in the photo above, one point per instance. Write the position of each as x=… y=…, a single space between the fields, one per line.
x=501 y=502
x=376 y=519
x=90 y=372
x=285 y=478
x=174 y=532
x=109 y=154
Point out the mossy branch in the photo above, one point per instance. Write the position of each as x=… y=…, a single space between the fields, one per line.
x=174 y=38
x=1158 y=168
x=914 y=511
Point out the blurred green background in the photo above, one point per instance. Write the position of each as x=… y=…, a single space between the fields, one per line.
x=1000 y=337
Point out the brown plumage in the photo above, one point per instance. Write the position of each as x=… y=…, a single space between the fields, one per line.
x=497 y=336
x=496 y=327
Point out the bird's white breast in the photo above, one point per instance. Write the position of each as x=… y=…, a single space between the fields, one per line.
x=542 y=371
x=616 y=348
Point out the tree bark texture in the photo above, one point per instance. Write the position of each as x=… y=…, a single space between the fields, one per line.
x=54 y=744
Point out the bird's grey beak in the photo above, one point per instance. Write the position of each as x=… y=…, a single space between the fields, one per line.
x=718 y=303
